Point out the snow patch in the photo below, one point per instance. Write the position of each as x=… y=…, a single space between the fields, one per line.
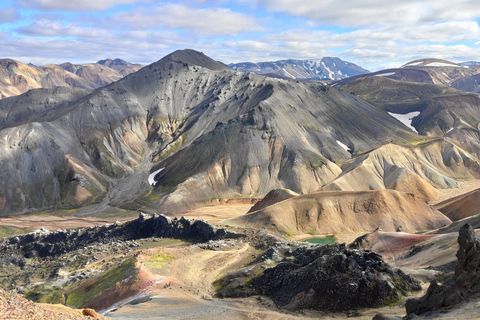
x=406 y=119
x=385 y=74
x=450 y=130
x=343 y=145
x=440 y=64
x=415 y=63
x=289 y=74
x=151 y=177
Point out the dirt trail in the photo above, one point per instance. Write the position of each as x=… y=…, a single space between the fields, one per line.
x=53 y=222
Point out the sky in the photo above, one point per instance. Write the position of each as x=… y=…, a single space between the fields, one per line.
x=375 y=34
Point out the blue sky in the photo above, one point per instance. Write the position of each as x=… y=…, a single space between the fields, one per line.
x=375 y=34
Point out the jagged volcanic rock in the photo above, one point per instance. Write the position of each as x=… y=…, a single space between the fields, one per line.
x=43 y=243
x=463 y=286
x=325 y=277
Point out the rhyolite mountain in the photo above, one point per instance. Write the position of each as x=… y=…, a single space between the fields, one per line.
x=17 y=78
x=122 y=66
x=328 y=68
x=216 y=131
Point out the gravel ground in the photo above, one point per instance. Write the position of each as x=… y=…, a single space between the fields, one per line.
x=15 y=307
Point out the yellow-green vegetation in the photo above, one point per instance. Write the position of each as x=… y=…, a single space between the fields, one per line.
x=159 y=260
x=151 y=196
x=313 y=160
x=102 y=158
x=45 y=294
x=172 y=147
x=7 y=231
x=63 y=212
x=86 y=292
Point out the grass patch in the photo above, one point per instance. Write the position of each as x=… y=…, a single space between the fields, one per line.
x=92 y=288
x=45 y=294
x=8 y=231
x=159 y=260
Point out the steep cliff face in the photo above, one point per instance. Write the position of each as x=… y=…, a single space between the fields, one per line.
x=216 y=131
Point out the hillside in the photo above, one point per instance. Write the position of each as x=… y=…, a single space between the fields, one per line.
x=344 y=212
x=231 y=133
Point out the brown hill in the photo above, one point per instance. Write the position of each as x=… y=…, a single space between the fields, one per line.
x=419 y=169
x=335 y=212
x=460 y=207
x=17 y=78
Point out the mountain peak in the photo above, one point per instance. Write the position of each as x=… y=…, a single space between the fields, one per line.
x=115 y=62
x=430 y=62
x=193 y=57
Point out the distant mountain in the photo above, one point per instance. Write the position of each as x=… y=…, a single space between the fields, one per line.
x=17 y=78
x=470 y=63
x=120 y=65
x=328 y=68
x=430 y=71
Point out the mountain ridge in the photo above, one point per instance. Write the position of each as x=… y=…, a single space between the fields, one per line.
x=327 y=68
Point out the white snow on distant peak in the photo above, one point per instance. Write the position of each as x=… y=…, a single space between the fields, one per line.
x=289 y=74
x=385 y=74
x=343 y=145
x=415 y=63
x=450 y=130
x=406 y=119
x=440 y=64
x=151 y=177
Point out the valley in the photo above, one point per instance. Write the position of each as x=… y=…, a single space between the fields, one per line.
x=186 y=189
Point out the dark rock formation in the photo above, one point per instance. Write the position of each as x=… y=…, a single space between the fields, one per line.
x=325 y=277
x=464 y=285
x=43 y=243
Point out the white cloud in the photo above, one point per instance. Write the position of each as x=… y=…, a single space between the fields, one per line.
x=357 y=13
x=48 y=28
x=204 y=21
x=74 y=5
x=8 y=15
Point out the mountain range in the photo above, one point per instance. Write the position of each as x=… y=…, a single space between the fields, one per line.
x=17 y=78
x=328 y=68
x=217 y=132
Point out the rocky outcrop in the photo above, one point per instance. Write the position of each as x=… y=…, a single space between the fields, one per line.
x=43 y=243
x=325 y=277
x=464 y=285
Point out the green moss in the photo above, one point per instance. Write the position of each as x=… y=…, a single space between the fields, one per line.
x=45 y=294
x=87 y=292
x=103 y=160
x=313 y=160
x=172 y=148
x=159 y=260
x=7 y=231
